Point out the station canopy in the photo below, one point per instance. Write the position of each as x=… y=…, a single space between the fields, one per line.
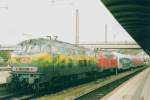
x=134 y=16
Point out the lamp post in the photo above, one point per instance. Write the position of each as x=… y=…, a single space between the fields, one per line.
x=77 y=27
x=106 y=34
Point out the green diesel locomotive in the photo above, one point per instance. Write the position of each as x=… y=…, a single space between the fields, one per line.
x=39 y=63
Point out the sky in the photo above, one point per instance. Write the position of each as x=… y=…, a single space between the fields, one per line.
x=24 y=19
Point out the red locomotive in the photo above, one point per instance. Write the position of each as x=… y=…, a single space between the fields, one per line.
x=106 y=60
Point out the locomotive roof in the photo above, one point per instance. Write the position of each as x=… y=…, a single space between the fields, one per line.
x=124 y=55
x=41 y=41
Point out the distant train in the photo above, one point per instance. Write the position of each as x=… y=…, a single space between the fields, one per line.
x=110 y=60
x=41 y=63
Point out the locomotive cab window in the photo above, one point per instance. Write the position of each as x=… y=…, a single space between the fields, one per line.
x=18 y=49
x=33 y=48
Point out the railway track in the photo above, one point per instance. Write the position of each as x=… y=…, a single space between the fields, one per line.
x=3 y=89
x=102 y=91
x=15 y=96
x=3 y=85
x=6 y=95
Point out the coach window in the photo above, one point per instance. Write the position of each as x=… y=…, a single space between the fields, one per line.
x=54 y=50
x=83 y=52
x=76 y=52
x=45 y=48
x=73 y=52
x=88 y=53
x=91 y=53
x=79 y=52
x=68 y=51
x=62 y=50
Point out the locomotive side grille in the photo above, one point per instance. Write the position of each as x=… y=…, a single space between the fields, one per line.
x=25 y=69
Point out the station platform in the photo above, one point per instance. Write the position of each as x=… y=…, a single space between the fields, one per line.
x=3 y=76
x=137 y=88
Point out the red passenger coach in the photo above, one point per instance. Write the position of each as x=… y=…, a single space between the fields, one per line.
x=137 y=61
x=106 y=60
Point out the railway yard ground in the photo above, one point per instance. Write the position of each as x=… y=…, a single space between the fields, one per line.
x=88 y=91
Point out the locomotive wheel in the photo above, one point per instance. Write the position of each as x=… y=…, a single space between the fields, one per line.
x=46 y=87
x=36 y=88
x=12 y=87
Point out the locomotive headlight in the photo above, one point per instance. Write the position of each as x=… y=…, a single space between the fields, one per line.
x=14 y=69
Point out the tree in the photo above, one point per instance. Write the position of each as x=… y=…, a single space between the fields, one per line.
x=5 y=55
